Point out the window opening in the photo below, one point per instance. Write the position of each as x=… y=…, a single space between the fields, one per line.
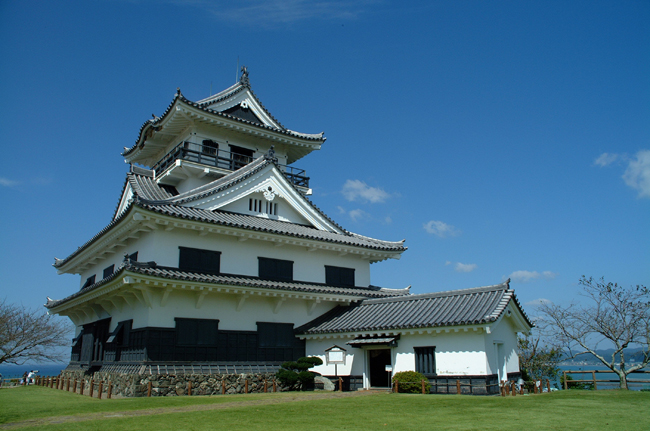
x=425 y=360
x=271 y=208
x=240 y=157
x=89 y=281
x=198 y=260
x=338 y=276
x=275 y=269
x=109 y=271
x=209 y=147
x=257 y=206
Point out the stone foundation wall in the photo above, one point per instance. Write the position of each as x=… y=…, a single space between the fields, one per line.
x=166 y=385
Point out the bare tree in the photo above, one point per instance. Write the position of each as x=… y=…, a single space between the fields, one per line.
x=537 y=359
x=615 y=315
x=30 y=335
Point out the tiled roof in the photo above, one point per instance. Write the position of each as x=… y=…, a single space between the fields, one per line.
x=457 y=307
x=147 y=194
x=260 y=224
x=202 y=106
x=227 y=181
x=146 y=187
x=210 y=188
x=231 y=91
x=151 y=269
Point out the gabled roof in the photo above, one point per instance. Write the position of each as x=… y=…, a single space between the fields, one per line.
x=242 y=86
x=149 y=196
x=151 y=269
x=480 y=305
x=221 y=106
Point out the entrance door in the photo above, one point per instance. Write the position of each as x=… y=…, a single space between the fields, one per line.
x=377 y=361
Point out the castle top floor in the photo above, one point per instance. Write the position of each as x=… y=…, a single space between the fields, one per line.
x=195 y=142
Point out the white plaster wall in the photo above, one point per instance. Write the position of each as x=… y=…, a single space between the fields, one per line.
x=222 y=306
x=143 y=245
x=285 y=210
x=240 y=257
x=353 y=357
x=503 y=331
x=456 y=353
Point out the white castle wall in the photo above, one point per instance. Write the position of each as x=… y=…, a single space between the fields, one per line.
x=237 y=257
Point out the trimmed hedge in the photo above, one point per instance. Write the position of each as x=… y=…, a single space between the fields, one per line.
x=410 y=382
x=296 y=374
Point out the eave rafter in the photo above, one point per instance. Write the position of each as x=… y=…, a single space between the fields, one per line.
x=482 y=328
x=198 y=115
x=135 y=288
x=278 y=240
x=117 y=237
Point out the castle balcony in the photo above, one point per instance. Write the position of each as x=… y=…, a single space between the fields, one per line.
x=210 y=155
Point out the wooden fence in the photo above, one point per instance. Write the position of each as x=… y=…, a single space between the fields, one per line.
x=97 y=389
x=595 y=381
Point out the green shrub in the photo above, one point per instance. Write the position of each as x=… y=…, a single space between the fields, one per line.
x=410 y=382
x=297 y=374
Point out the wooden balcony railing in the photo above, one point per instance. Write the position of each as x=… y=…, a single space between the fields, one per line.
x=218 y=158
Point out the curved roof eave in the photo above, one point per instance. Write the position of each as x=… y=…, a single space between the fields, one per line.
x=131 y=153
x=193 y=214
x=145 y=269
x=415 y=312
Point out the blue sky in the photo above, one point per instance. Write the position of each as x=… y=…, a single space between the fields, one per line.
x=500 y=139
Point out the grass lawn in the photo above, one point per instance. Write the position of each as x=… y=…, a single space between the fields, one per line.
x=563 y=410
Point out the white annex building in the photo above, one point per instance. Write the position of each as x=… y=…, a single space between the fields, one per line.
x=216 y=258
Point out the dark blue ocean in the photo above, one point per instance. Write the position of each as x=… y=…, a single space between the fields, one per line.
x=16 y=371
x=576 y=371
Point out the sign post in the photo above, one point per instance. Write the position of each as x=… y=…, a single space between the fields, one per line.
x=335 y=355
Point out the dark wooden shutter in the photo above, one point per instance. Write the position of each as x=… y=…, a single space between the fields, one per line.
x=198 y=260
x=275 y=334
x=89 y=281
x=186 y=331
x=275 y=269
x=108 y=271
x=425 y=362
x=337 y=276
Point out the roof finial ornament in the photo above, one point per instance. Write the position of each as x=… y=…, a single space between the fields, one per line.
x=243 y=79
x=270 y=155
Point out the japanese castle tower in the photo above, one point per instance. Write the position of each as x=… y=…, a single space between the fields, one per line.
x=215 y=257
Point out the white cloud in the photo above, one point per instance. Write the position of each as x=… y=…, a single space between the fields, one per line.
x=637 y=174
x=605 y=159
x=276 y=12
x=549 y=275
x=341 y=210
x=8 y=183
x=465 y=267
x=526 y=276
x=388 y=220
x=357 y=214
x=440 y=229
x=537 y=302
x=355 y=190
